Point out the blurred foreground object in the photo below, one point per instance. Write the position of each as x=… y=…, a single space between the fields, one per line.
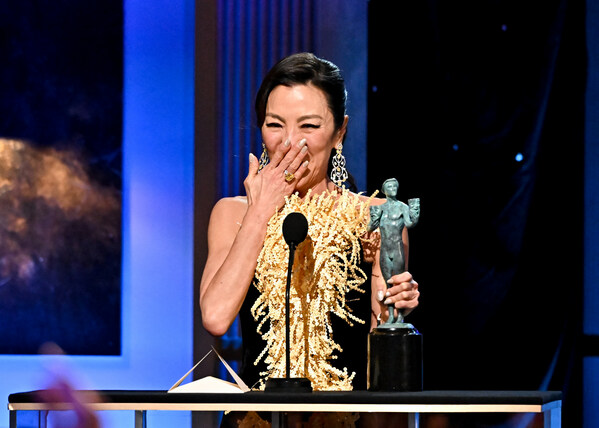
x=61 y=396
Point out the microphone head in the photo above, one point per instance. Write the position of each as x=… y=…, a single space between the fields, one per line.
x=295 y=228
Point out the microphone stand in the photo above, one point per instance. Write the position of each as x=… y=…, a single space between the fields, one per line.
x=292 y=247
x=288 y=384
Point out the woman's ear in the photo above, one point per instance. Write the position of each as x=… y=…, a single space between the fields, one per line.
x=343 y=129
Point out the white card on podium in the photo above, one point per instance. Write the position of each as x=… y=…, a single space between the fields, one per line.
x=210 y=383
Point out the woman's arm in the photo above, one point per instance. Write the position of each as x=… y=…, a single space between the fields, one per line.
x=236 y=234
x=235 y=238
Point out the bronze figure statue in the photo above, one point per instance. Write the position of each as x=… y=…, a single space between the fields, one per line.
x=391 y=218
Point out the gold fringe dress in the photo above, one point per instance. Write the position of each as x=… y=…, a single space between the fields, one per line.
x=330 y=298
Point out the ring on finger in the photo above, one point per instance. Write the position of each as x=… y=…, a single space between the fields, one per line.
x=288 y=176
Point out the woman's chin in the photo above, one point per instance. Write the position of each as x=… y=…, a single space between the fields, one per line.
x=317 y=186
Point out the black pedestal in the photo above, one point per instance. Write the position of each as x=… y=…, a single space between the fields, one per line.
x=395 y=359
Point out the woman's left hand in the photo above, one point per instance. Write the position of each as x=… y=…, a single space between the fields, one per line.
x=402 y=292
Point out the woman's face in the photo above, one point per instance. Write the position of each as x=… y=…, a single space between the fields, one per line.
x=301 y=112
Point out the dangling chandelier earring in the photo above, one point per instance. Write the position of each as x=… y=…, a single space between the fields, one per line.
x=264 y=159
x=338 y=172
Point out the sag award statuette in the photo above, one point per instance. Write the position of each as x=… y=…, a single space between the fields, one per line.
x=394 y=347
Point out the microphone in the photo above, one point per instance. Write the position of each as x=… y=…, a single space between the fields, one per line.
x=295 y=230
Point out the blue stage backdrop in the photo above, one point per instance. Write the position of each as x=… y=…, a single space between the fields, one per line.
x=60 y=175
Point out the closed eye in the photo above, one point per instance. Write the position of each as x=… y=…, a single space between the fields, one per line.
x=310 y=125
x=273 y=125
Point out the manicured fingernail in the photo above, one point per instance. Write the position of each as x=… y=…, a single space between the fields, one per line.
x=387 y=302
x=302 y=142
x=252 y=157
x=388 y=293
x=380 y=295
x=389 y=281
x=287 y=142
x=304 y=149
x=305 y=164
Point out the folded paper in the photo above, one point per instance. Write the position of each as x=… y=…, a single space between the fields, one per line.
x=211 y=384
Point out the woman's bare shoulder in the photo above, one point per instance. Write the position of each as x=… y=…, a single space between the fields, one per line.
x=230 y=207
x=232 y=202
x=373 y=201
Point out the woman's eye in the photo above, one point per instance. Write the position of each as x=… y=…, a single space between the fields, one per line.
x=273 y=125
x=311 y=125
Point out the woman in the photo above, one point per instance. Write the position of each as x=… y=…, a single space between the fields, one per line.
x=300 y=109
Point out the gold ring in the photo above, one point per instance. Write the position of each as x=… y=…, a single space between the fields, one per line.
x=288 y=176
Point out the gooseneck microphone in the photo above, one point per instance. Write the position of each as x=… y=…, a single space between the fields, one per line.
x=295 y=230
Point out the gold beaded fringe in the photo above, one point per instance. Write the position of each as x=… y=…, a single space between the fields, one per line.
x=325 y=269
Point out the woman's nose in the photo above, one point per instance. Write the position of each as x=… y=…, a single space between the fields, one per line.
x=294 y=135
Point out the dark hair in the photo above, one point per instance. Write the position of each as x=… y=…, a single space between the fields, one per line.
x=301 y=69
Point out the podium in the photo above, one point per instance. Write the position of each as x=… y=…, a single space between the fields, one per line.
x=412 y=403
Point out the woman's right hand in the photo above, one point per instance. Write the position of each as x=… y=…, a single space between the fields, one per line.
x=236 y=235
x=267 y=189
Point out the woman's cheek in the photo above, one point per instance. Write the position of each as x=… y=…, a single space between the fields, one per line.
x=272 y=141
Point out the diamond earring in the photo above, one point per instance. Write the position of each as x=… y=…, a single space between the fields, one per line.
x=339 y=172
x=264 y=159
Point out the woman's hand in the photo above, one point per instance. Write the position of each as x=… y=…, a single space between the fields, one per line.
x=236 y=235
x=402 y=293
x=268 y=188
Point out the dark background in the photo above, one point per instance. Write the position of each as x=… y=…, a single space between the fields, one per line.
x=457 y=91
x=60 y=173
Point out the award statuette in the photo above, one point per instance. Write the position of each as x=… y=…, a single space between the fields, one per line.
x=394 y=347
